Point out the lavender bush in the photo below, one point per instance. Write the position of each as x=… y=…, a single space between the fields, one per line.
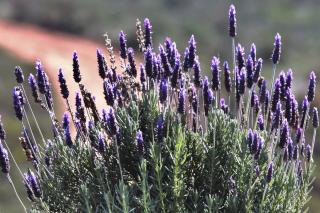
x=168 y=141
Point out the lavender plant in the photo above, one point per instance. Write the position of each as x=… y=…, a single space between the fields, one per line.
x=168 y=141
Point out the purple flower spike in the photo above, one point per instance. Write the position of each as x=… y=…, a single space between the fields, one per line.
x=31 y=182
x=283 y=88
x=176 y=72
x=173 y=54
x=249 y=138
x=253 y=53
x=223 y=106
x=207 y=95
x=67 y=136
x=308 y=153
x=289 y=79
x=102 y=64
x=269 y=172
x=242 y=81
x=255 y=143
x=4 y=160
x=132 y=63
x=142 y=74
x=19 y=74
x=240 y=56
x=249 y=68
x=163 y=90
x=260 y=122
x=267 y=101
x=111 y=122
x=192 y=51
x=63 y=85
x=101 y=143
x=108 y=91
x=257 y=70
x=260 y=146
x=227 y=77
x=215 y=73
x=277 y=117
x=295 y=113
x=34 y=88
x=285 y=154
x=262 y=91
x=186 y=60
x=305 y=105
x=140 y=142
x=197 y=72
x=41 y=78
x=181 y=102
x=165 y=62
x=276 y=49
x=288 y=102
x=167 y=45
x=276 y=95
x=76 y=68
x=65 y=122
x=17 y=105
x=148 y=57
x=232 y=21
x=315 y=118
x=284 y=134
x=123 y=45
x=312 y=87
x=148 y=33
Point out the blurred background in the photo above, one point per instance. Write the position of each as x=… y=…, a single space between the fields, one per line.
x=50 y=30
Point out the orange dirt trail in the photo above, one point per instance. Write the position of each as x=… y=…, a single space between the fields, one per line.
x=28 y=42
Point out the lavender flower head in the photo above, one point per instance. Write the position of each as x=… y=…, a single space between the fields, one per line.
x=176 y=72
x=305 y=104
x=132 y=63
x=253 y=53
x=17 y=105
x=142 y=74
x=111 y=122
x=192 y=51
x=249 y=68
x=140 y=142
x=242 y=81
x=164 y=61
x=102 y=65
x=315 y=118
x=232 y=21
x=312 y=87
x=41 y=77
x=63 y=85
x=159 y=129
x=4 y=160
x=276 y=49
x=148 y=33
x=19 y=74
x=260 y=122
x=240 y=56
x=197 y=72
x=163 y=90
x=308 y=153
x=269 y=172
x=298 y=135
x=277 y=117
x=276 y=95
x=215 y=73
x=249 y=139
x=181 y=102
x=258 y=68
x=290 y=149
x=31 y=180
x=284 y=134
x=101 y=143
x=148 y=62
x=227 y=77
x=289 y=79
x=123 y=45
x=262 y=91
x=34 y=88
x=76 y=68
x=67 y=134
x=65 y=121
x=186 y=60
x=108 y=91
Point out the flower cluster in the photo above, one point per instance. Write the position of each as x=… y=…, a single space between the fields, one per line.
x=168 y=140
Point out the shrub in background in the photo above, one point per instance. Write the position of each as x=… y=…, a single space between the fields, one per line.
x=168 y=141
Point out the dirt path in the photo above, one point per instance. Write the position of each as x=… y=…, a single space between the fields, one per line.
x=54 y=50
